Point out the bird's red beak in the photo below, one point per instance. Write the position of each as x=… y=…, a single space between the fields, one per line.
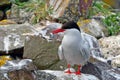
x=57 y=31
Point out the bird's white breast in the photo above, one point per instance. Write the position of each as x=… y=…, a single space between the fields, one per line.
x=71 y=43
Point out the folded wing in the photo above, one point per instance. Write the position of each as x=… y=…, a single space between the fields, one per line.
x=60 y=53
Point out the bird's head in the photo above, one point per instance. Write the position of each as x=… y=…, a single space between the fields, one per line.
x=66 y=26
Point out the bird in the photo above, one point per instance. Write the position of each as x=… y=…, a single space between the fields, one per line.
x=73 y=48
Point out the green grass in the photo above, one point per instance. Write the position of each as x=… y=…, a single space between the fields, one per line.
x=112 y=22
x=38 y=7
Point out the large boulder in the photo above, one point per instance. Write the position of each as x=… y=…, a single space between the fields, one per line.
x=42 y=50
x=93 y=27
x=71 y=12
x=12 y=37
x=42 y=53
x=60 y=75
x=101 y=70
x=19 y=15
x=18 y=70
x=25 y=70
x=110 y=47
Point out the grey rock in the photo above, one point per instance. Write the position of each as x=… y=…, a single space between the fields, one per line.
x=93 y=27
x=42 y=52
x=110 y=49
x=112 y=74
x=19 y=15
x=12 y=37
x=101 y=70
x=60 y=75
x=41 y=75
x=71 y=12
x=18 y=70
x=22 y=74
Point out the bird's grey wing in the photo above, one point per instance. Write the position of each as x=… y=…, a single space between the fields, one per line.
x=60 y=52
x=85 y=51
x=93 y=44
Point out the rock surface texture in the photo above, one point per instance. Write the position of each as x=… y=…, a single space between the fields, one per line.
x=12 y=37
x=110 y=47
x=60 y=75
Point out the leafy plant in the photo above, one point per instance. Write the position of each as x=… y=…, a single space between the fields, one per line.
x=99 y=7
x=17 y=2
x=111 y=20
x=38 y=7
x=113 y=23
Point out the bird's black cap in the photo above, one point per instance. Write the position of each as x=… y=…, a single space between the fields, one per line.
x=70 y=25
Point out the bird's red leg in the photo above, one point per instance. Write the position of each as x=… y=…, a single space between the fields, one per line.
x=68 y=71
x=78 y=71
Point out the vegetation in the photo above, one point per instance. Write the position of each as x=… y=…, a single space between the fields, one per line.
x=42 y=11
x=111 y=20
x=99 y=7
x=38 y=7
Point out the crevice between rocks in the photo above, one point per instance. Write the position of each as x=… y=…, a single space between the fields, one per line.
x=15 y=53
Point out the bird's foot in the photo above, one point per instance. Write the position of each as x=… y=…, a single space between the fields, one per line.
x=68 y=71
x=78 y=73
